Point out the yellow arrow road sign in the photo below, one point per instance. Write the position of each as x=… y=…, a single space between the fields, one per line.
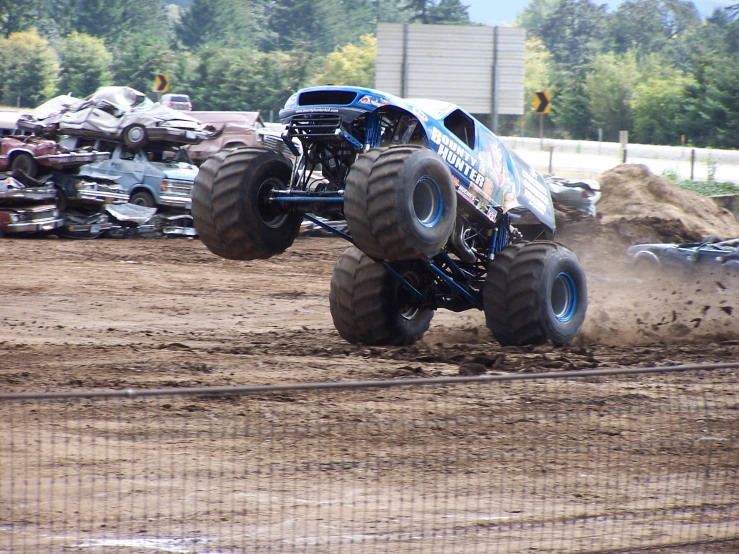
x=542 y=101
x=161 y=83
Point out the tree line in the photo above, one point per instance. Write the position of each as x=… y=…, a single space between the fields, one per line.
x=226 y=54
x=652 y=67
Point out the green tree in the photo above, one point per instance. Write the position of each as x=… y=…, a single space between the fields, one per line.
x=28 y=69
x=351 y=65
x=536 y=76
x=437 y=12
x=574 y=32
x=609 y=86
x=246 y=79
x=316 y=26
x=227 y=23
x=98 y=18
x=711 y=104
x=658 y=106
x=570 y=107
x=649 y=26
x=16 y=15
x=535 y=14
x=140 y=59
x=449 y=12
x=85 y=64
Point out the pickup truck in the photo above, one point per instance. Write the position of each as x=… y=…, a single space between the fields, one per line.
x=154 y=176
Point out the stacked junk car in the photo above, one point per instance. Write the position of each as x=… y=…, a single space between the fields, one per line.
x=439 y=214
x=106 y=163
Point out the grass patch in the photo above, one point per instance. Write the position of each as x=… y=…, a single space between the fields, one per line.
x=708 y=189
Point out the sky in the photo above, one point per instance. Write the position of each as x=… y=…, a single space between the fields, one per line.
x=497 y=12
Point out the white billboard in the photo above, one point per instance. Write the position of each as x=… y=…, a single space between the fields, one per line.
x=479 y=68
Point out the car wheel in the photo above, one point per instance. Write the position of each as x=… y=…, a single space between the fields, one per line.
x=23 y=162
x=370 y=306
x=134 y=136
x=407 y=209
x=143 y=198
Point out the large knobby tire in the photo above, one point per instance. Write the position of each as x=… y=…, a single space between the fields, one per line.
x=546 y=295
x=230 y=209
x=370 y=306
x=495 y=292
x=408 y=207
x=355 y=200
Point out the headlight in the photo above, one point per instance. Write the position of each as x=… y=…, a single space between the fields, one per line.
x=14 y=218
x=292 y=101
x=165 y=184
x=373 y=101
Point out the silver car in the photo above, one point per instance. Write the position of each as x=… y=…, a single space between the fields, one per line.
x=579 y=194
x=115 y=113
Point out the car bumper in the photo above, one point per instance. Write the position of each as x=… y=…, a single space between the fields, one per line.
x=35 y=226
x=184 y=202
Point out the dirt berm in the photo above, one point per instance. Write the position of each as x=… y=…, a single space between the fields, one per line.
x=643 y=207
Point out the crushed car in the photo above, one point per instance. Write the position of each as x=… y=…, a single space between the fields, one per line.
x=30 y=154
x=579 y=194
x=155 y=176
x=27 y=210
x=115 y=113
x=440 y=214
x=708 y=255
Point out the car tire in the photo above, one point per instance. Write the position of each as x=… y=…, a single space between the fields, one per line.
x=25 y=163
x=143 y=198
x=495 y=294
x=545 y=297
x=370 y=306
x=134 y=136
x=407 y=209
x=229 y=207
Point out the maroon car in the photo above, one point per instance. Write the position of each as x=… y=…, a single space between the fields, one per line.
x=28 y=153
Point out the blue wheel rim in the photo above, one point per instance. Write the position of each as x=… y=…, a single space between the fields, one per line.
x=563 y=297
x=428 y=203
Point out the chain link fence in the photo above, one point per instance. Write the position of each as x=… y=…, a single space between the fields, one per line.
x=595 y=461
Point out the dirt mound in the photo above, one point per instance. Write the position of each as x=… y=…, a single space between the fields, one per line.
x=643 y=207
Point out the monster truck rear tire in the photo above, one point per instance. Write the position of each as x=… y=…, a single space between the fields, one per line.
x=230 y=208
x=408 y=208
x=495 y=294
x=546 y=296
x=370 y=306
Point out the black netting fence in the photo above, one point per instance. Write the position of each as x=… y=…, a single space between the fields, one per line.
x=576 y=462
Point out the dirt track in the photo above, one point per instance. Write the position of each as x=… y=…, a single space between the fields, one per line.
x=116 y=314
x=164 y=313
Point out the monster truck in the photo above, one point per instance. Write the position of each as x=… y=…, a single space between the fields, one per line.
x=440 y=213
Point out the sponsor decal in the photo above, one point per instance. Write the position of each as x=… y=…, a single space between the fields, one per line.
x=535 y=193
x=314 y=110
x=419 y=114
x=454 y=154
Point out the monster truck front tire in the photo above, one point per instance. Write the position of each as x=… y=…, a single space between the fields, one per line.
x=370 y=306
x=406 y=207
x=495 y=292
x=230 y=206
x=545 y=295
